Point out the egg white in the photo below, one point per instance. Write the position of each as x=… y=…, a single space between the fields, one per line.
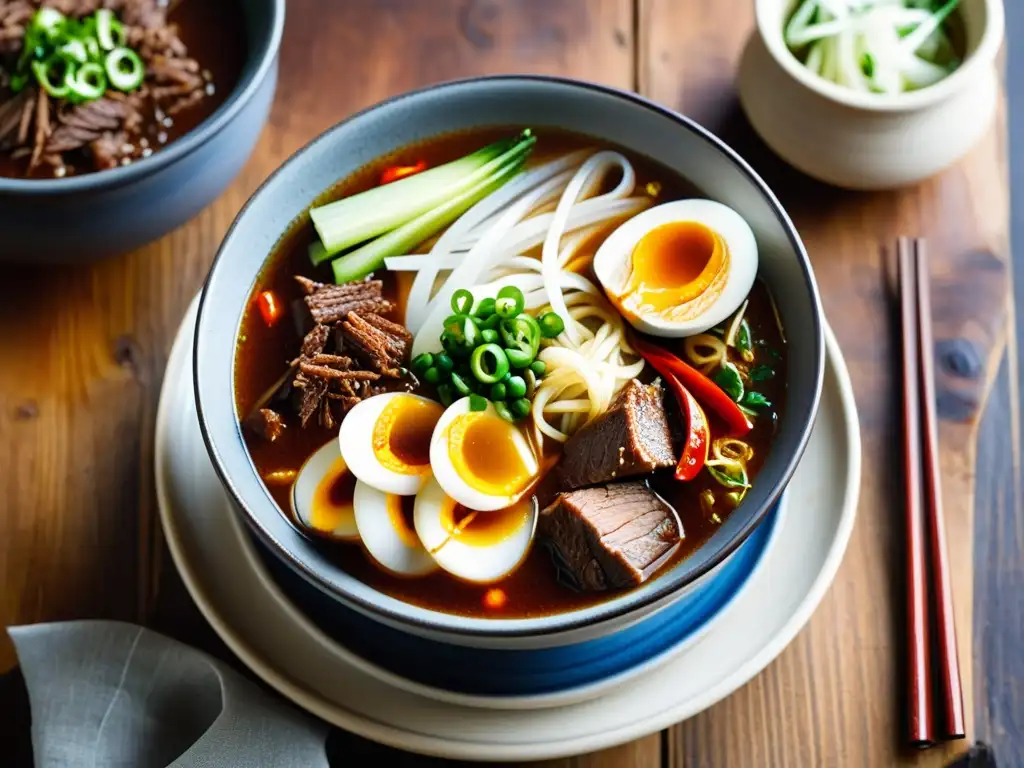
x=448 y=476
x=613 y=258
x=382 y=541
x=304 y=490
x=480 y=564
x=355 y=439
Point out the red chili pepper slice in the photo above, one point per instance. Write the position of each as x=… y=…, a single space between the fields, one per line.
x=270 y=309
x=698 y=433
x=396 y=172
x=703 y=388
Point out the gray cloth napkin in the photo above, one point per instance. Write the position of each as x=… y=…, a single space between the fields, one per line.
x=109 y=694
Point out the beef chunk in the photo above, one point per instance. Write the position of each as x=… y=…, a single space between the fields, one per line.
x=630 y=438
x=611 y=535
x=266 y=423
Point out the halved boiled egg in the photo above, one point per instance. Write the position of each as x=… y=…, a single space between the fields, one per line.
x=386 y=526
x=479 y=459
x=385 y=441
x=679 y=268
x=322 y=495
x=476 y=546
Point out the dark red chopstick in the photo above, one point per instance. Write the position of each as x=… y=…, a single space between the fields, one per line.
x=949 y=685
x=929 y=593
x=919 y=692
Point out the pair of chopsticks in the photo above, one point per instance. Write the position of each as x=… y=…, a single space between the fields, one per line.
x=929 y=598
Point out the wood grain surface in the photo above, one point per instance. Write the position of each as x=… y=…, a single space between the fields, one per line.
x=82 y=353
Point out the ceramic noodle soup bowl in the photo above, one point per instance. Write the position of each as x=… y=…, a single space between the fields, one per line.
x=511 y=364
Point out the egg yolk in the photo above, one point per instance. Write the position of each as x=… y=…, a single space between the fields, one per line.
x=483 y=529
x=332 y=499
x=677 y=270
x=400 y=515
x=401 y=435
x=485 y=456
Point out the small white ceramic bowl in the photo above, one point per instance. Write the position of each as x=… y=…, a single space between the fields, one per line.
x=869 y=140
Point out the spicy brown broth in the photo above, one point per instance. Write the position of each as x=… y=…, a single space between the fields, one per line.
x=263 y=353
x=214 y=33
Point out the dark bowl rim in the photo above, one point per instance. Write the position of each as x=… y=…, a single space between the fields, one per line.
x=656 y=596
x=242 y=93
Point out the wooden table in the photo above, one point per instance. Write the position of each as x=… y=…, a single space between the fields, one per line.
x=83 y=352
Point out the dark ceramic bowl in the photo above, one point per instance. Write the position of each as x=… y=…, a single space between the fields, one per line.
x=96 y=215
x=622 y=118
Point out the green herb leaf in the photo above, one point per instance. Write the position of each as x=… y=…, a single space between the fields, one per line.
x=728 y=378
x=723 y=478
x=755 y=400
x=760 y=373
x=744 y=342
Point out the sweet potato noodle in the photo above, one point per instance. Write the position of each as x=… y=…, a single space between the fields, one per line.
x=99 y=123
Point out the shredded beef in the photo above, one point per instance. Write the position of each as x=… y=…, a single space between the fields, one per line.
x=331 y=303
x=383 y=351
x=267 y=423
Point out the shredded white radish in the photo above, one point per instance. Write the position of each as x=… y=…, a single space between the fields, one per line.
x=882 y=46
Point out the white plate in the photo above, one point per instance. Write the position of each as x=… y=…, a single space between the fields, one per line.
x=221 y=570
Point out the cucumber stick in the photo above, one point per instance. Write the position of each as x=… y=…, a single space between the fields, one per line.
x=370 y=257
x=366 y=215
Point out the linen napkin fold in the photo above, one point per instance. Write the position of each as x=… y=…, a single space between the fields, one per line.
x=109 y=694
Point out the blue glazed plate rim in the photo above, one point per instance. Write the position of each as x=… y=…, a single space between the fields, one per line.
x=667 y=643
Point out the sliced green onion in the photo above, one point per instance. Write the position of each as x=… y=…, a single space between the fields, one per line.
x=498 y=391
x=503 y=411
x=358 y=218
x=75 y=49
x=47 y=21
x=420 y=363
x=460 y=384
x=432 y=375
x=488 y=363
x=516 y=387
x=491 y=322
x=522 y=333
x=538 y=367
x=510 y=301
x=125 y=69
x=444 y=394
x=93 y=49
x=109 y=31
x=45 y=75
x=89 y=83
x=489 y=335
x=364 y=260
x=517 y=358
x=485 y=308
x=477 y=403
x=550 y=325
x=444 y=363
x=462 y=301
x=520 y=407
